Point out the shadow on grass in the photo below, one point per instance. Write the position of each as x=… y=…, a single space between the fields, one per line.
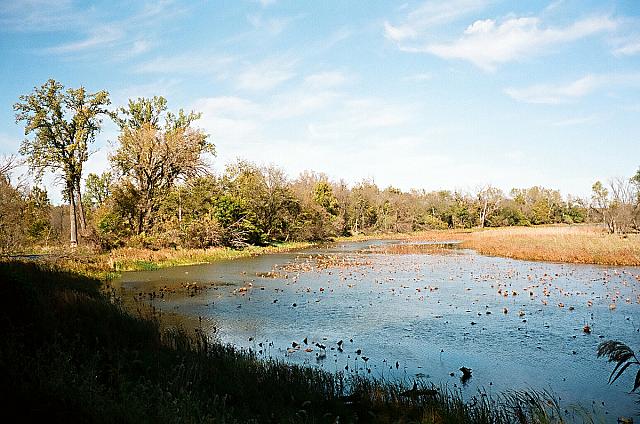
x=69 y=354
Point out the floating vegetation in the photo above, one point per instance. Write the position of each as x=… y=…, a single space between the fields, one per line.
x=316 y=263
x=440 y=248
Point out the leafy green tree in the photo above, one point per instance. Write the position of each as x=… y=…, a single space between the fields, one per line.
x=39 y=213
x=266 y=194
x=12 y=206
x=156 y=150
x=600 y=204
x=362 y=204
x=63 y=124
x=97 y=189
x=509 y=214
x=323 y=195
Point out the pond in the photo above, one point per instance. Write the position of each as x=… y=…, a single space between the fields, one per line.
x=406 y=312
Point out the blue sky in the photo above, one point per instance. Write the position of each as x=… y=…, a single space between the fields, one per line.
x=423 y=94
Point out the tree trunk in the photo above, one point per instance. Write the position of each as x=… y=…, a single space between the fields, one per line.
x=83 y=221
x=72 y=218
x=147 y=223
x=483 y=214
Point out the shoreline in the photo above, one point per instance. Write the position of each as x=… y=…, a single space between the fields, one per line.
x=571 y=244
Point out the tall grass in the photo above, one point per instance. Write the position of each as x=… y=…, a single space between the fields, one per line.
x=69 y=354
x=558 y=243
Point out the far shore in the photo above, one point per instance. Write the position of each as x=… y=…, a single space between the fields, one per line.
x=580 y=244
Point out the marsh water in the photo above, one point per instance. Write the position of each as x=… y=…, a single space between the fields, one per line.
x=418 y=312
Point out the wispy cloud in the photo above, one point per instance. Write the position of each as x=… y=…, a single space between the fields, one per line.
x=628 y=48
x=326 y=79
x=581 y=120
x=271 y=25
x=229 y=119
x=419 y=77
x=91 y=30
x=266 y=75
x=316 y=100
x=488 y=43
x=161 y=87
x=565 y=93
x=266 y=3
x=97 y=38
x=39 y=15
x=428 y=15
x=194 y=63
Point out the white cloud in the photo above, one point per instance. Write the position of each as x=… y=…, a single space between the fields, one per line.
x=628 y=49
x=161 y=87
x=93 y=30
x=266 y=74
x=375 y=113
x=554 y=94
x=196 y=63
x=273 y=25
x=430 y=14
x=316 y=113
x=39 y=15
x=565 y=93
x=358 y=119
x=104 y=36
x=582 y=120
x=335 y=37
x=298 y=103
x=265 y=3
x=326 y=79
x=420 y=77
x=399 y=33
x=487 y=43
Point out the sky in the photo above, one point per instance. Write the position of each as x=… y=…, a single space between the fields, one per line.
x=432 y=95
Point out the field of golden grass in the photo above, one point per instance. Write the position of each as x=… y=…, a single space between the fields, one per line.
x=560 y=243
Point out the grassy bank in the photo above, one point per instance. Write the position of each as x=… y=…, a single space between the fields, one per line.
x=105 y=266
x=68 y=354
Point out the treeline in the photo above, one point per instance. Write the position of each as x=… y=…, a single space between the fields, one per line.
x=160 y=190
x=249 y=204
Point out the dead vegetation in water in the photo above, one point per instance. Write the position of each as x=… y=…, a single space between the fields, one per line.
x=315 y=263
x=443 y=248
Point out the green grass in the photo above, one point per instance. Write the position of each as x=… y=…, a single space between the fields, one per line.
x=68 y=353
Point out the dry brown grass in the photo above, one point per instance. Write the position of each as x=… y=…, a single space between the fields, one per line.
x=561 y=243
